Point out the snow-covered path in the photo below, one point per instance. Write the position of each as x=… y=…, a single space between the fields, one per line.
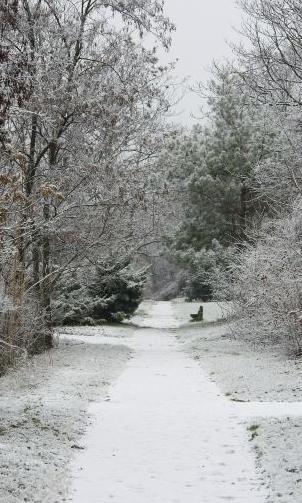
x=166 y=434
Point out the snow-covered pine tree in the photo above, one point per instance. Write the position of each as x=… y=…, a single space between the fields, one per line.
x=111 y=293
x=215 y=168
x=122 y=290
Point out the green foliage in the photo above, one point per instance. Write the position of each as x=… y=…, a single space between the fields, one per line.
x=113 y=295
x=71 y=304
x=204 y=269
x=122 y=291
x=213 y=168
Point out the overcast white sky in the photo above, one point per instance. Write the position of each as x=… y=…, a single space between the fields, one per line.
x=203 y=29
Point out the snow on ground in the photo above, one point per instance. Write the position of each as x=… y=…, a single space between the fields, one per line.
x=44 y=414
x=185 y=420
x=264 y=382
x=166 y=435
x=212 y=311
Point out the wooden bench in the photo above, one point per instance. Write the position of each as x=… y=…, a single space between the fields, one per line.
x=198 y=316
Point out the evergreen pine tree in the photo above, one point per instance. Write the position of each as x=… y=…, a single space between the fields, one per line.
x=215 y=167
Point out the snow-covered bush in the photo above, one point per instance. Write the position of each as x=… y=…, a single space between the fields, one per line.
x=113 y=295
x=267 y=283
x=117 y=294
x=71 y=304
x=204 y=270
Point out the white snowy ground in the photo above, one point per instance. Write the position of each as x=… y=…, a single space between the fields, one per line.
x=176 y=425
x=167 y=435
x=267 y=384
x=43 y=415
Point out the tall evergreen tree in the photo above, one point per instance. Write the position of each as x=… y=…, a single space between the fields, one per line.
x=215 y=166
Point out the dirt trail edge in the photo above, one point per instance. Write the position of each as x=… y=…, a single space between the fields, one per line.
x=166 y=435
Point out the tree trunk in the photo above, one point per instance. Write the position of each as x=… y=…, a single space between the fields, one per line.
x=46 y=282
x=243 y=210
x=15 y=292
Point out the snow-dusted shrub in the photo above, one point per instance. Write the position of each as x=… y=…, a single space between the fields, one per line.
x=122 y=291
x=204 y=268
x=22 y=333
x=267 y=283
x=71 y=303
x=113 y=295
